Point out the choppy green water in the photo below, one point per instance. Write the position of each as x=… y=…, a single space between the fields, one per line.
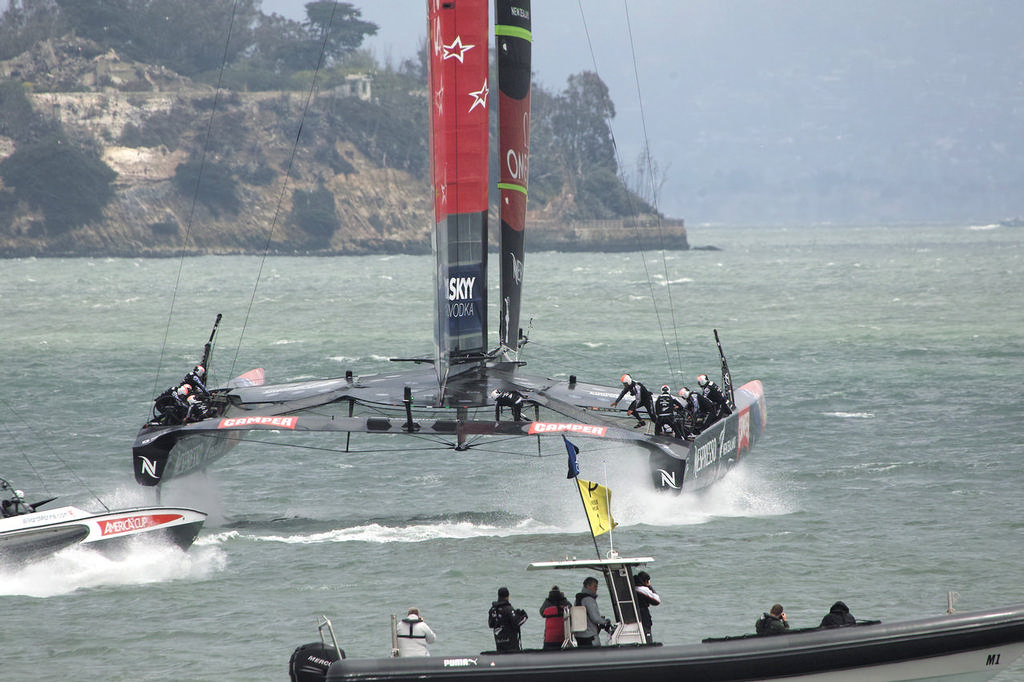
x=890 y=472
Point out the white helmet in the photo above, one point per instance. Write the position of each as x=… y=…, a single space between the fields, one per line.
x=494 y=394
x=626 y=379
x=664 y=388
x=702 y=380
x=184 y=389
x=200 y=370
x=18 y=494
x=684 y=392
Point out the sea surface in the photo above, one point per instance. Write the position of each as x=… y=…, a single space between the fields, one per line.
x=890 y=473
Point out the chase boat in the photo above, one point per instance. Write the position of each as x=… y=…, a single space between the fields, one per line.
x=961 y=647
x=27 y=534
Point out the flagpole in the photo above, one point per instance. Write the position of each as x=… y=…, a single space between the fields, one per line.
x=574 y=472
x=583 y=501
x=608 y=506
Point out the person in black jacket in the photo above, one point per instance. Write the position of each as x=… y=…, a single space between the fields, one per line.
x=666 y=413
x=713 y=393
x=506 y=622
x=838 y=616
x=641 y=398
x=646 y=597
x=773 y=622
x=508 y=398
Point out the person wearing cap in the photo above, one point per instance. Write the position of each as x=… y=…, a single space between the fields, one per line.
x=555 y=609
x=413 y=635
x=505 y=621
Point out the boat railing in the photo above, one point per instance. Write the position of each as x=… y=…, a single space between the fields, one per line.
x=324 y=623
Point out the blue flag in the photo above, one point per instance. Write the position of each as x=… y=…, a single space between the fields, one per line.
x=574 y=467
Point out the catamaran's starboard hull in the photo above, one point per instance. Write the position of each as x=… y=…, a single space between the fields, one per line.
x=962 y=647
x=715 y=450
x=32 y=536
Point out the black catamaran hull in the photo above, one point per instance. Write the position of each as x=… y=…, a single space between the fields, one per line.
x=28 y=537
x=573 y=408
x=969 y=646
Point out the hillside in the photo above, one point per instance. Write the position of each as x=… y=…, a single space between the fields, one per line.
x=197 y=170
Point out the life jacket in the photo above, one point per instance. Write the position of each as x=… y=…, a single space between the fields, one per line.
x=554 y=623
x=663 y=406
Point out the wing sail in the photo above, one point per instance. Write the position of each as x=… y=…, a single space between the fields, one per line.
x=513 y=45
x=459 y=138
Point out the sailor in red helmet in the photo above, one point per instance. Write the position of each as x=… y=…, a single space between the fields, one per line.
x=641 y=398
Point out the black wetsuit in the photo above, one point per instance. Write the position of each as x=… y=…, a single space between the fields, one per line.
x=509 y=398
x=721 y=404
x=641 y=398
x=666 y=408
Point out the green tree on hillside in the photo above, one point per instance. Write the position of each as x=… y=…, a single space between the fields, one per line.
x=69 y=184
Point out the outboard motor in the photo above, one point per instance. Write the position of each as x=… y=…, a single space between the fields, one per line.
x=309 y=662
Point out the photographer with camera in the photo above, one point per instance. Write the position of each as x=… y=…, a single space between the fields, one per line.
x=506 y=621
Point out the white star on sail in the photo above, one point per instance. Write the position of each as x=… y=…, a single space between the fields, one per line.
x=480 y=97
x=456 y=50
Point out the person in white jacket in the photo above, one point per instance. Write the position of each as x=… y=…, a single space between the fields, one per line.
x=413 y=635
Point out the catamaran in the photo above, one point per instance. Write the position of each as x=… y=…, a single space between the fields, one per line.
x=446 y=398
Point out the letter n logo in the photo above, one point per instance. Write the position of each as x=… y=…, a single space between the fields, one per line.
x=668 y=480
x=148 y=467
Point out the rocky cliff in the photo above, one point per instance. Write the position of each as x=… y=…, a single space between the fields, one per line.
x=274 y=148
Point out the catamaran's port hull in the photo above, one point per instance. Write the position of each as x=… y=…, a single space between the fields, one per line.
x=961 y=647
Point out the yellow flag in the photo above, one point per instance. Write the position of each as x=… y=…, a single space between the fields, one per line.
x=597 y=500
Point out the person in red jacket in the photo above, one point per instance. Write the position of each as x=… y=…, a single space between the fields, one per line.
x=554 y=609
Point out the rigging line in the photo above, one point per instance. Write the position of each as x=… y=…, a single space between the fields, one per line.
x=325 y=32
x=650 y=177
x=53 y=452
x=636 y=227
x=195 y=195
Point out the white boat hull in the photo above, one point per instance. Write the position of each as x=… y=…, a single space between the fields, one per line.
x=31 y=536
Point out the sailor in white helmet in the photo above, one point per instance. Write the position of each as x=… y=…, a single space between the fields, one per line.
x=508 y=398
x=712 y=392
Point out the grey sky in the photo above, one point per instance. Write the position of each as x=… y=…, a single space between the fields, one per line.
x=791 y=109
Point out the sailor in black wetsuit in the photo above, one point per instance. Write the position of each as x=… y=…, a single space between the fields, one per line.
x=666 y=409
x=197 y=380
x=508 y=398
x=641 y=398
x=713 y=393
x=699 y=410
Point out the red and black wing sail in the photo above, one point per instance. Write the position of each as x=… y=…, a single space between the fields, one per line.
x=459 y=93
